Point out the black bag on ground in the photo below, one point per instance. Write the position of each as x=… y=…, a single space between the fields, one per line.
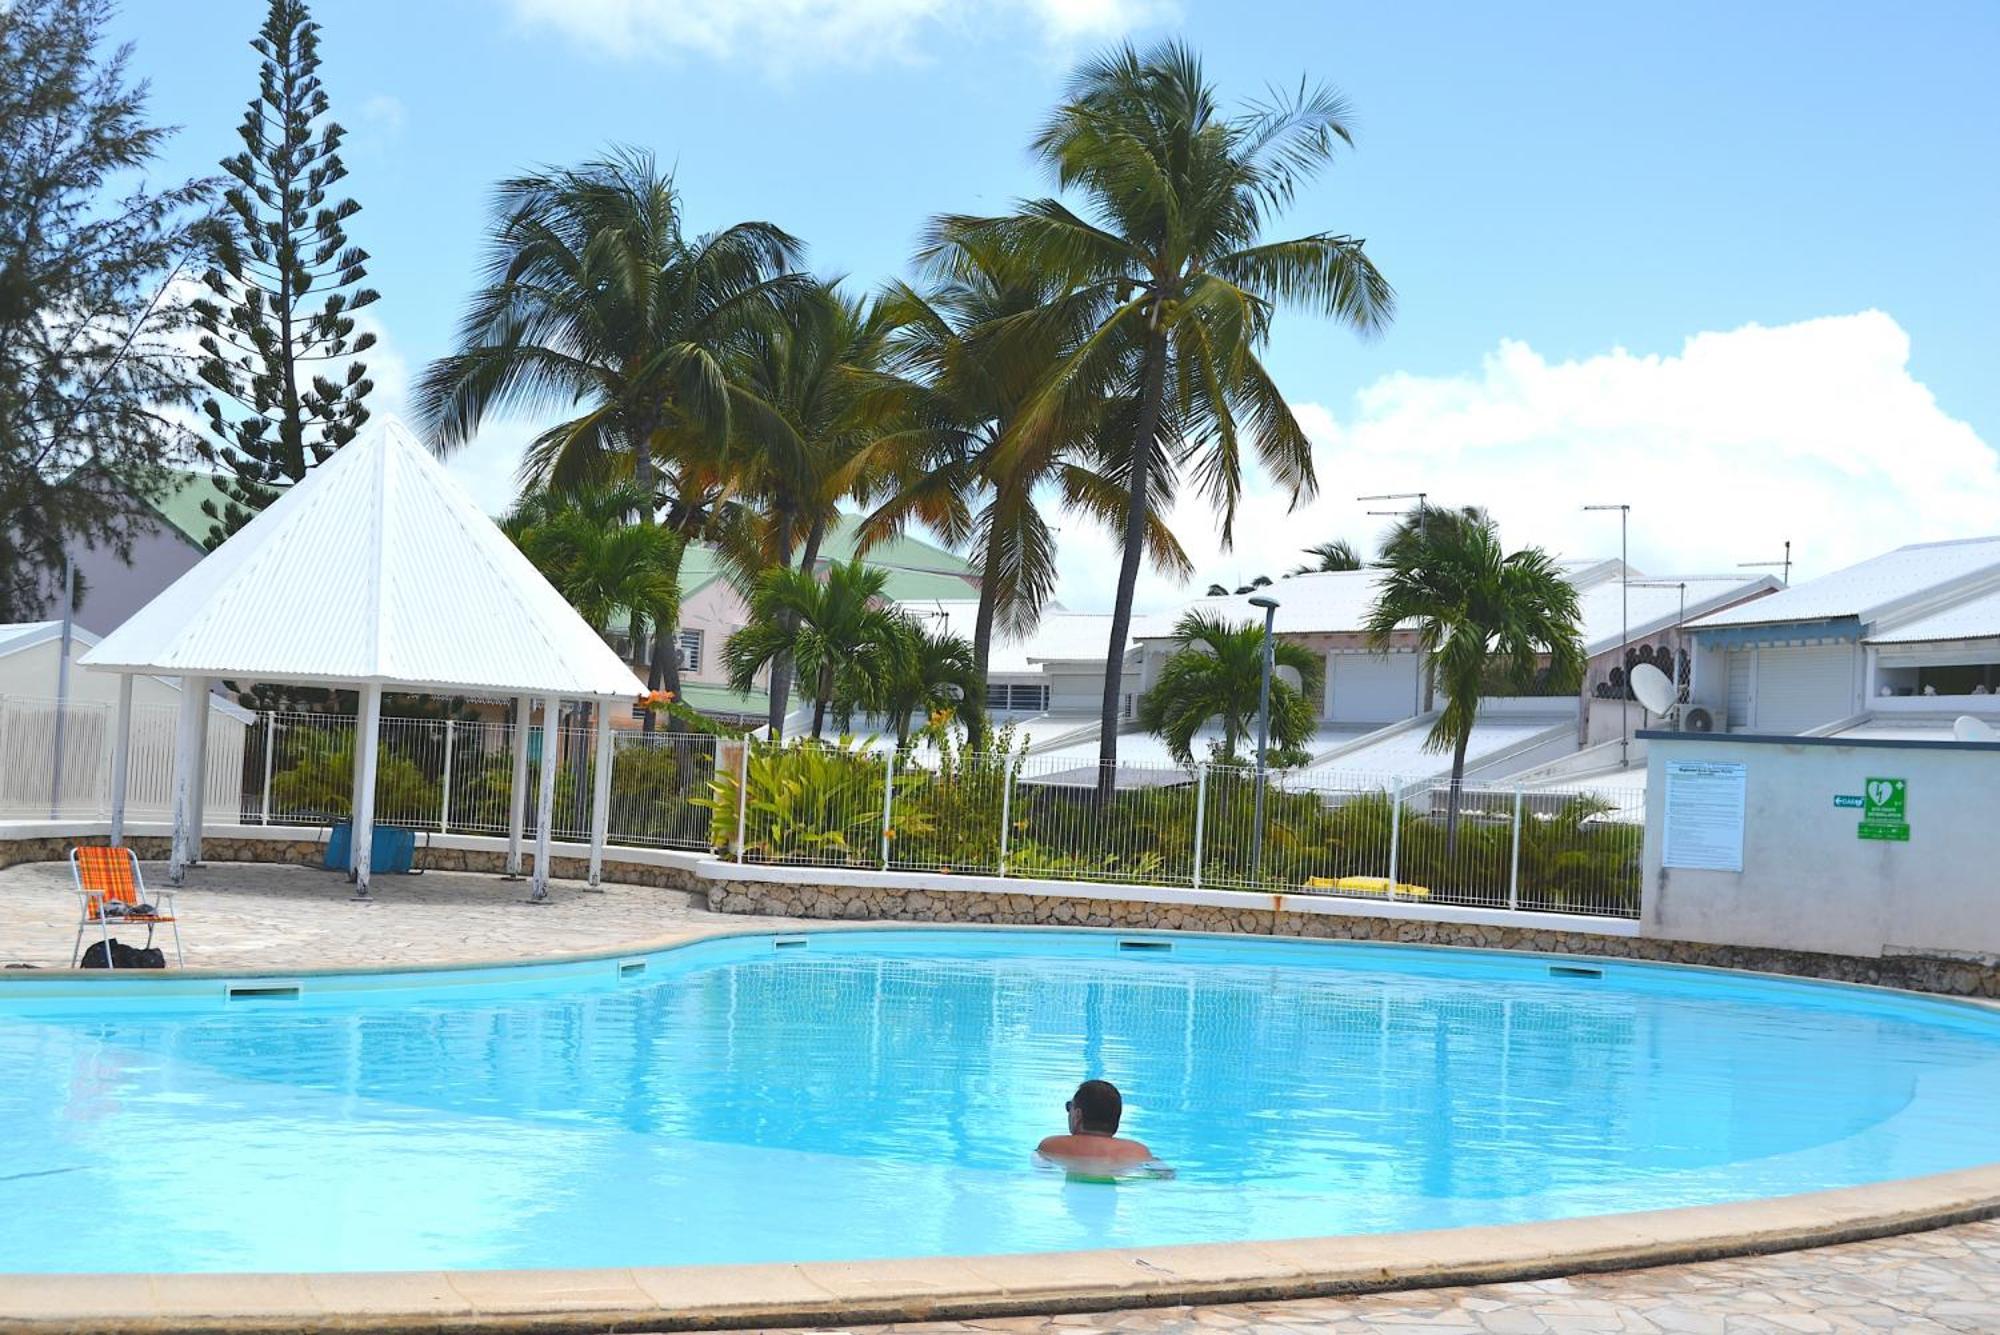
x=124 y=956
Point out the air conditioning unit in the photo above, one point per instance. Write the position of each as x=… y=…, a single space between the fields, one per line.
x=1699 y=718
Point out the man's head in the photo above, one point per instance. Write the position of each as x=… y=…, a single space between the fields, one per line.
x=1096 y=1107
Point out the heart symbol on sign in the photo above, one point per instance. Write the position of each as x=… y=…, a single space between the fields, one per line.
x=1879 y=792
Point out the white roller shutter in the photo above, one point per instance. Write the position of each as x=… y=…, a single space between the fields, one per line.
x=1799 y=688
x=1371 y=688
x=1742 y=663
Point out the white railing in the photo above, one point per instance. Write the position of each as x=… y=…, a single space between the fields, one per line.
x=1363 y=836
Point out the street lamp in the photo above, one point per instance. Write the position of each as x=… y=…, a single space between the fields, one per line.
x=1270 y=606
x=1624 y=635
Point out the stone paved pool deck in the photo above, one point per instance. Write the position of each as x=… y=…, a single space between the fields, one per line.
x=288 y=918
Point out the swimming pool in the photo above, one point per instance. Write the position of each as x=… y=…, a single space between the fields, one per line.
x=877 y=1093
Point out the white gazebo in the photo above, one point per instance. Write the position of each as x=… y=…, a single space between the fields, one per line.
x=376 y=572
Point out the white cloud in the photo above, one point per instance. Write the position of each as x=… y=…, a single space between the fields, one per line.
x=1814 y=432
x=385 y=112
x=782 y=34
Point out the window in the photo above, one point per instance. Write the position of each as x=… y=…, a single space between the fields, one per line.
x=690 y=651
x=1017 y=697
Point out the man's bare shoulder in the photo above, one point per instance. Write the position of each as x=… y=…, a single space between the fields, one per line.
x=1097 y=1149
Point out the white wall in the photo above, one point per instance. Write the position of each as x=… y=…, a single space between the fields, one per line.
x=1808 y=882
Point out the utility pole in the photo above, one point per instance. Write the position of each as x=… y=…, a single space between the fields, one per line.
x=1624 y=635
x=1270 y=606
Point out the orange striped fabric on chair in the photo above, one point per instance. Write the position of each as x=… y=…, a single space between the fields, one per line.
x=111 y=875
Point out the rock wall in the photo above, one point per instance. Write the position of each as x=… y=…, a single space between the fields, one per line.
x=1952 y=977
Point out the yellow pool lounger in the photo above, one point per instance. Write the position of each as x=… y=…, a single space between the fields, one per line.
x=1366 y=885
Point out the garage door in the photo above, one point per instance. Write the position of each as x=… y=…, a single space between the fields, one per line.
x=1802 y=688
x=1371 y=688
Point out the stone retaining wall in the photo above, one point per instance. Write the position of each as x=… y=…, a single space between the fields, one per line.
x=1970 y=978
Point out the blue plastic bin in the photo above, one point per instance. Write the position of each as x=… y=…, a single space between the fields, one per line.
x=395 y=850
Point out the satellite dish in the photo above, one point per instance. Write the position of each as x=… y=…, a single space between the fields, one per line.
x=1969 y=729
x=1653 y=689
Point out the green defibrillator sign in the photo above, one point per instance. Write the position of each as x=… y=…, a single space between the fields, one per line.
x=1884 y=810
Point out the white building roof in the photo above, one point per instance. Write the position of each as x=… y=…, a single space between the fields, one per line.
x=1330 y=602
x=1061 y=636
x=1655 y=604
x=19 y=635
x=1975 y=618
x=1910 y=579
x=378 y=567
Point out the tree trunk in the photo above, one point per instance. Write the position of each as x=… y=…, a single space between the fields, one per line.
x=1452 y=797
x=664 y=668
x=1151 y=393
x=781 y=667
x=974 y=708
x=823 y=692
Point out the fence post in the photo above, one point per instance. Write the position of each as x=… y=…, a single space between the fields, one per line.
x=444 y=809
x=1514 y=863
x=1200 y=817
x=1006 y=811
x=1395 y=831
x=742 y=793
x=888 y=804
x=270 y=754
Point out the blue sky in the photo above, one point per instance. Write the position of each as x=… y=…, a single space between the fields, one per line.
x=1731 y=263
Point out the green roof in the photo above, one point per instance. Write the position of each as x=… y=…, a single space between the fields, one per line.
x=712 y=699
x=917 y=570
x=180 y=499
x=904 y=553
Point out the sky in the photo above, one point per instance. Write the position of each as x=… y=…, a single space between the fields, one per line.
x=1731 y=265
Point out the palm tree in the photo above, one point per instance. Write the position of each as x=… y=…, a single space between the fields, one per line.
x=965 y=357
x=596 y=302
x=1481 y=614
x=940 y=678
x=587 y=546
x=1329 y=557
x=1216 y=674
x=1167 y=250
x=845 y=643
x=805 y=436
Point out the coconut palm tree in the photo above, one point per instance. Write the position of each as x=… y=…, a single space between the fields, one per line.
x=849 y=648
x=1176 y=195
x=965 y=356
x=1482 y=614
x=588 y=546
x=596 y=302
x=805 y=436
x=1329 y=557
x=1216 y=675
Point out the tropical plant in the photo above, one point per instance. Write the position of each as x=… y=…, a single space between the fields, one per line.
x=590 y=547
x=1330 y=557
x=1168 y=255
x=94 y=371
x=1478 y=610
x=595 y=296
x=1216 y=674
x=815 y=802
x=1217 y=591
x=278 y=330
x=850 y=649
x=937 y=680
x=318 y=777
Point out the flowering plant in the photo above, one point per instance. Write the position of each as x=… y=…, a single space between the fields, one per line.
x=657 y=701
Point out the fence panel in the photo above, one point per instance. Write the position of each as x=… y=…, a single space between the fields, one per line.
x=1583 y=851
x=810 y=804
x=1142 y=831
x=948 y=814
x=1324 y=832
x=660 y=789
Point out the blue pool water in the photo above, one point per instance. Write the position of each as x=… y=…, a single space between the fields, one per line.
x=878 y=1093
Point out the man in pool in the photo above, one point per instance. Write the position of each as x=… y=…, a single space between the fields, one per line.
x=1093 y=1139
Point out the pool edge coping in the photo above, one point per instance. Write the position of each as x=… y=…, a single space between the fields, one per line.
x=957 y=1288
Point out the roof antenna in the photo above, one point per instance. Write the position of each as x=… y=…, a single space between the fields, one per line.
x=1784 y=565
x=1417 y=496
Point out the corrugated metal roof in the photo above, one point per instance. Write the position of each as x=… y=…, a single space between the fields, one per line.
x=1905 y=579
x=1060 y=636
x=1656 y=604
x=377 y=567
x=1976 y=618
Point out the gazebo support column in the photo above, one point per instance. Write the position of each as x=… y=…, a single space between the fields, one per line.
x=545 y=807
x=517 y=795
x=191 y=727
x=200 y=789
x=367 y=751
x=121 y=758
x=600 y=798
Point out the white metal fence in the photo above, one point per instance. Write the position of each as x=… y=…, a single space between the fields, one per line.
x=1317 y=832
x=1320 y=832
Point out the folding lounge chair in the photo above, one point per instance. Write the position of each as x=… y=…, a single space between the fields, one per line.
x=114 y=894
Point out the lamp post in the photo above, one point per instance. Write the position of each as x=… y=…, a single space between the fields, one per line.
x=1624 y=635
x=1270 y=606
